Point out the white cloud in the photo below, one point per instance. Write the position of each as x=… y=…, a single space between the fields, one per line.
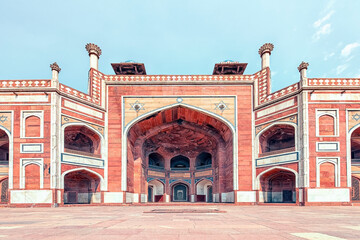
x=347 y=50
x=320 y=21
x=322 y=27
x=329 y=55
x=326 y=29
x=341 y=68
x=328 y=6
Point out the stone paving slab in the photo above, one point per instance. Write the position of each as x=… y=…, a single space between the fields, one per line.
x=196 y=222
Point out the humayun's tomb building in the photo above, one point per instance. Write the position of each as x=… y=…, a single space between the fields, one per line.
x=136 y=138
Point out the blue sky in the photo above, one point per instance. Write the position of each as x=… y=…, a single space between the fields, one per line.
x=179 y=37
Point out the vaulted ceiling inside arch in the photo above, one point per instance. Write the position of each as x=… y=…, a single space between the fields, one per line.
x=179 y=139
x=178 y=130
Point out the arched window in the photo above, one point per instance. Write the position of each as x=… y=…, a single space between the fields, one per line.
x=203 y=160
x=180 y=192
x=180 y=163
x=82 y=140
x=278 y=186
x=156 y=161
x=32 y=126
x=326 y=125
x=277 y=139
x=81 y=187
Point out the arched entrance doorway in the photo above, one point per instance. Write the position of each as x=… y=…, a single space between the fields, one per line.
x=180 y=192
x=204 y=191
x=155 y=191
x=278 y=186
x=179 y=144
x=81 y=187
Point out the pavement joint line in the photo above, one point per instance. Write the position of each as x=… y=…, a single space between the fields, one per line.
x=316 y=236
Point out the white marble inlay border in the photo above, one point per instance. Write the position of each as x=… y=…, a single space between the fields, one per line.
x=276 y=108
x=83 y=109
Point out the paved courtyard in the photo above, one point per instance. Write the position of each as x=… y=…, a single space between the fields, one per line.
x=188 y=222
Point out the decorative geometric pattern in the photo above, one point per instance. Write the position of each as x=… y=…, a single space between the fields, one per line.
x=24 y=83
x=159 y=179
x=263 y=79
x=150 y=179
x=179 y=100
x=185 y=180
x=95 y=78
x=221 y=106
x=4 y=195
x=3 y=118
x=178 y=78
x=356 y=117
x=208 y=178
x=334 y=82
x=173 y=180
x=137 y=106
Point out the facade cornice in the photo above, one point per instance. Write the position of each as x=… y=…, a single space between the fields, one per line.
x=49 y=90
x=248 y=82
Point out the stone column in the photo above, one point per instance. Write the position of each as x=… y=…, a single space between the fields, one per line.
x=265 y=51
x=94 y=54
x=55 y=75
x=302 y=69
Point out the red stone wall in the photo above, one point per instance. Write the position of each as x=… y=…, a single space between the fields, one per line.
x=32 y=126
x=326 y=125
x=244 y=117
x=32 y=177
x=327 y=175
x=17 y=141
x=341 y=139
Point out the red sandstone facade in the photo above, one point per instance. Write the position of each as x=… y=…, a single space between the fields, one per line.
x=137 y=138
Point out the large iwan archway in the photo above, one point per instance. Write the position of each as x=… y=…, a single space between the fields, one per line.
x=180 y=144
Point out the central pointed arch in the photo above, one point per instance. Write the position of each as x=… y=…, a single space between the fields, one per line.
x=209 y=115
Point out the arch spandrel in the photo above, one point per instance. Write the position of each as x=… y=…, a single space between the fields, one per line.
x=291 y=119
x=5 y=120
x=223 y=106
x=67 y=120
x=353 y=120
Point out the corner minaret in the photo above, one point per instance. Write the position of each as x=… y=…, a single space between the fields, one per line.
x=302 y=69
x=94 y=54
x=55 y=74
x=265 y=51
